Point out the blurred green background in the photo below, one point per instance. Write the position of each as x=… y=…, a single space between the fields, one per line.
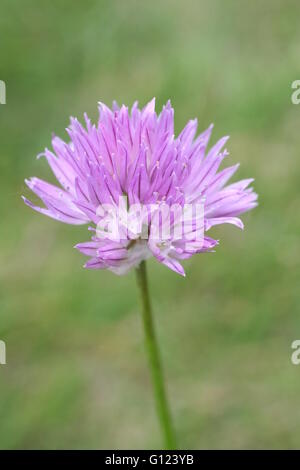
x=76 y=373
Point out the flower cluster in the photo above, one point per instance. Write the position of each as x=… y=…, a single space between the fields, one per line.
x=134 y=154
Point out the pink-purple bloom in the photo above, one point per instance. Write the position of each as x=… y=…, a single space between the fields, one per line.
x=134 y=154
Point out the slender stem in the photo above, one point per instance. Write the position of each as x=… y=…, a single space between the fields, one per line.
x=154 y=360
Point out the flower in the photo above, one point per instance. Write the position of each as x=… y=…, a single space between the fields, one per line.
x=132 y=158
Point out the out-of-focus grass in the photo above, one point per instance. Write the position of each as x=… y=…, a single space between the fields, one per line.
x=76 y=373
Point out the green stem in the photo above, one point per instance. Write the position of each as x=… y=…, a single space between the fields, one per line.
x=154 y=360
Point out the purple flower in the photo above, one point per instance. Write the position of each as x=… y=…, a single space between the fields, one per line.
x=133 y=160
